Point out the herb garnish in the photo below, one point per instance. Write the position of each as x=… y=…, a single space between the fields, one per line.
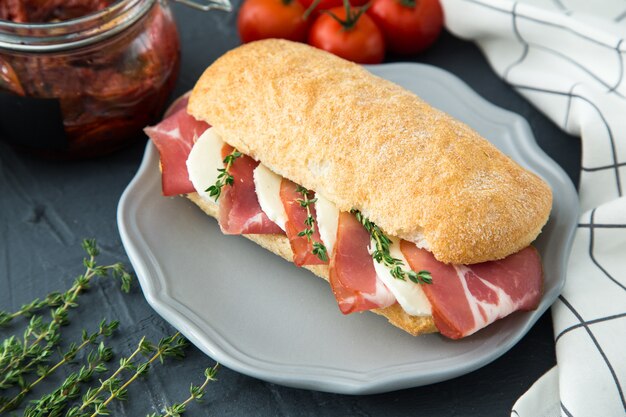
x=196 y=392
x=224 y=178
x=56 y=402
x=382 y=255
x=96 y=400
x=60 y=303
x=43 y=371
x=319 y=249
x=21 y=357
x=29 y=361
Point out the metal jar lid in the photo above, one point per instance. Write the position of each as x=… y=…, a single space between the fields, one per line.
x=85 y=30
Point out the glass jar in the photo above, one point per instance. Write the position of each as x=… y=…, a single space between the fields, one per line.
x=87 y=86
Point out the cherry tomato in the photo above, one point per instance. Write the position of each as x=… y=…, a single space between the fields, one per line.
x=262 y=19
x=409 y=26
x=329 y=4
x=357 y=40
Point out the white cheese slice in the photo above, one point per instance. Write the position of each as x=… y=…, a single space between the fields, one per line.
x=204 y=161
x=267 y=186
x=327 y=221
x=409 y=295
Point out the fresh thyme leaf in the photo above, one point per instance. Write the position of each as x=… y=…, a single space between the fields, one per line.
x=319 y=249
x=96 y=401
x=30 y=358
x=32 y=353
x=196 y=392
x=55 y=403
x=224 y=177
x=382 y=256
x=62 y=302
x=105 y=330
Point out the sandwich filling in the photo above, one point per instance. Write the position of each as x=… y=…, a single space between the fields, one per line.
x=254 y=200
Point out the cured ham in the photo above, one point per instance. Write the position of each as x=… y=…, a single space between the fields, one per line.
x=301 y=247
x=352 y=275
x=466 y=298
x=240 y=211
x=174 y=137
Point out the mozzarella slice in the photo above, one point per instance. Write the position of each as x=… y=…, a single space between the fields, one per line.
x=327 y=221
x=409 y=295
x=204 y=161
x=267 y=186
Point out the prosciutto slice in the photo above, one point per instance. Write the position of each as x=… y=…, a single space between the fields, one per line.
x=466 y=298
x=352 y=276
x=240 y=211
x=174 y=137
x=301 y=247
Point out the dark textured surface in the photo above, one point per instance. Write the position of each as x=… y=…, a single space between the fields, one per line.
x=46 y=208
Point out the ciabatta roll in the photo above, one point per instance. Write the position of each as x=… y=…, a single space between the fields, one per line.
x=366 y=143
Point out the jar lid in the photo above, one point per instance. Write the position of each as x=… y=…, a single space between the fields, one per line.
x=223 y=5
x=73 y=33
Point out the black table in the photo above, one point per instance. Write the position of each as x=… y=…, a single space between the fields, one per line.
x=47 y=208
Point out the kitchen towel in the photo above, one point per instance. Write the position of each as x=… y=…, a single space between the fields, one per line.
x=568 y=58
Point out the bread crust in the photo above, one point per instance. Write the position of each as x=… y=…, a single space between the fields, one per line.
x=279 y=245
x=366 y=143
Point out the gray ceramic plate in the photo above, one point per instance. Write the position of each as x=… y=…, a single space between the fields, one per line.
x=262 y=316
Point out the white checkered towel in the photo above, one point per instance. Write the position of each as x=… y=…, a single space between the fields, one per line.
x=567 y=57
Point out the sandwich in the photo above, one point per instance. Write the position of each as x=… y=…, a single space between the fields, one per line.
x=404 y=210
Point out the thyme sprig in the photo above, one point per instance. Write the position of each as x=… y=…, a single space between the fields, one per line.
x=105 y=330
x=92 y=398
x=95 y=402
x=55 y=403
x=66 y=300
x=382 y=256
x=19 y=357
x=53 y=299
x=319 y=249
x=224 y=177
x=27 y=361
x=196 y=392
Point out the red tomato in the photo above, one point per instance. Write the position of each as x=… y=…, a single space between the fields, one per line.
x=362 y=42
x=262 y=19
x=329 y=4
x=408 y=29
